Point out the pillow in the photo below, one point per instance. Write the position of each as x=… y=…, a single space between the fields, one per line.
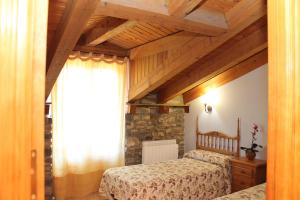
x=209 y=156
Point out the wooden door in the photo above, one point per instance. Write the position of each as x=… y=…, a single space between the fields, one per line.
x=23 y=25
x=283 y=171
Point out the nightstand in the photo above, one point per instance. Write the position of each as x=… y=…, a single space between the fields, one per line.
x=247 y=173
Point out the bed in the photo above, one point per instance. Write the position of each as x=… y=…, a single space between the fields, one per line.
x=203 y=173
x=254 y=193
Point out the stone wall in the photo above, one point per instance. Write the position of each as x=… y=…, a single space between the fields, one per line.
x=48 y=159
x=149 y=124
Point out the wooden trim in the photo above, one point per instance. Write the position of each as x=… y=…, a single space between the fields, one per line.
x=244 y=45
x=75 y=18
x=218 y=142
x=139 y=13
x=231 y=74
x=283 y=174
x=39 y=48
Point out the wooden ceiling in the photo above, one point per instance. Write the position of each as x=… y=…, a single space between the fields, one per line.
x=128 y=27
x=56 y=11
x=139 y=33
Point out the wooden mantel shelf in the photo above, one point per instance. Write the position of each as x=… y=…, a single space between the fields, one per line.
x=157 y=105
x=163 y=108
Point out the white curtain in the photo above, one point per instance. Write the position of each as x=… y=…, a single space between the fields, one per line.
x=88 y=123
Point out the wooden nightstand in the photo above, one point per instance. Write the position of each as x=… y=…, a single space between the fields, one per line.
x=247 y=173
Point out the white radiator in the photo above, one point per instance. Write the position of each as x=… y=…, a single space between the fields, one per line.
x=159 y=150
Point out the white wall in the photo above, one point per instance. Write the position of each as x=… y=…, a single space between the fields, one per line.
x=245 y=97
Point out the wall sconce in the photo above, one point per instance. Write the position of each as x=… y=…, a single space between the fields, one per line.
x=210 y=99
x=208 y=108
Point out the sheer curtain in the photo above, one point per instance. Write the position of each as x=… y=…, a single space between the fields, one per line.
x=88 y=123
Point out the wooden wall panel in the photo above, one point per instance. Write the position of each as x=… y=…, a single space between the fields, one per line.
x=143 y=67
x=283 y=174
x=22 y=88
x=170 y=42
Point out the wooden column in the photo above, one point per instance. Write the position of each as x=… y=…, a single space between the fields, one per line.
x=22 y=85
x=283 y=174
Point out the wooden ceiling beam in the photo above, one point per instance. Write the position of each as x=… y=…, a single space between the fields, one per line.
x=214 y=18
x=144 y=12
x=245 y=44
x=181 y=8
x=74 y=20
x=156 y=6
x=111 y=50
x=245 y=9
x=111 y=33
x=233 y=73
x=105 y=26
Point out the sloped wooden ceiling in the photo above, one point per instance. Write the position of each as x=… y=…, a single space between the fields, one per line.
x=162 y=37
x=141 y=33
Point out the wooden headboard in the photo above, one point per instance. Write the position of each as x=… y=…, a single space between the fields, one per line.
x=219 y=142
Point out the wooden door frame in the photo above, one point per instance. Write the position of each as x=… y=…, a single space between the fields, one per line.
x=283 y=174
x=23 y=38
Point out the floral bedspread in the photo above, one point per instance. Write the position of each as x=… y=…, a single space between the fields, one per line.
x=254 y=193
x=193 y=177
